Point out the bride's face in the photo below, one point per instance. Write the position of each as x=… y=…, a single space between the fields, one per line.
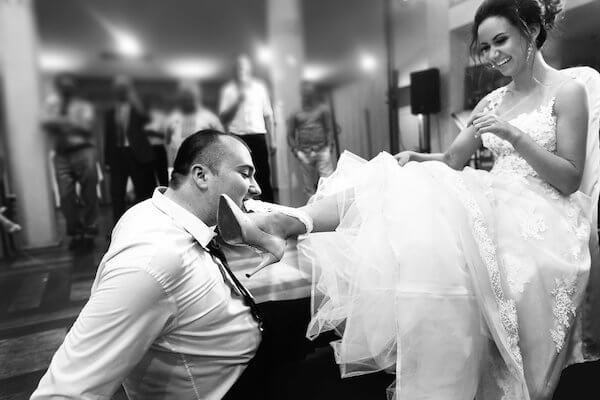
x=502 y=45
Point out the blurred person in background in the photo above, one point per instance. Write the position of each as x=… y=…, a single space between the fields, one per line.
x=310 y=137
x=156 y=132
x=128 y=152
x=69 y=120
x=8 y=225
x=245 y=110
x=189 y=117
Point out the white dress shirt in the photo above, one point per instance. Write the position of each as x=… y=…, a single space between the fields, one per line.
x=250 y=115
x=160 y=318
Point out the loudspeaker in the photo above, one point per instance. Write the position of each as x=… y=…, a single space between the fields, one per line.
x=425 y=91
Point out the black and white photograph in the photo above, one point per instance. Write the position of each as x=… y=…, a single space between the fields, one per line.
x=299 y=199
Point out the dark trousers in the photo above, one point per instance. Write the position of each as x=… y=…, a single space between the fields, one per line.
x=160 y=164
x=260 y=157
x=123 y=166
x=279 y=356
x=72 y=167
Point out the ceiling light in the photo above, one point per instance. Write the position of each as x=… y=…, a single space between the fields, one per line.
x=368 y=63
x=127 y=44
x=264 y=54
x=54 y=61
x=192 y=68
x=314 y=72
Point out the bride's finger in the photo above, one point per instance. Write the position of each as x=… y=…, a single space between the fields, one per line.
x=473 y=118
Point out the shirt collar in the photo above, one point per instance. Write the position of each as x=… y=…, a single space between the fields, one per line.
x=192 y=224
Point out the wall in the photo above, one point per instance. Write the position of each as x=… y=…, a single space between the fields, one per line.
x=361 y=112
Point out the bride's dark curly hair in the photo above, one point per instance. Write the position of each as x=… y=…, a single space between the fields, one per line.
x=522 y=14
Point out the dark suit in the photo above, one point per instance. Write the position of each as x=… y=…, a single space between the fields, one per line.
x=134 y=160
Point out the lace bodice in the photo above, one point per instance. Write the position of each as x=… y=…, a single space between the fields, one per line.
x=539 y=124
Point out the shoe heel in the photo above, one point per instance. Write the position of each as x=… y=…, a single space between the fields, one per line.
x=267 y=259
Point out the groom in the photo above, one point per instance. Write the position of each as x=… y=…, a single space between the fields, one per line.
x=165 y=317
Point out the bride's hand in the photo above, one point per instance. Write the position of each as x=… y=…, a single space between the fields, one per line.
x=403 y=157
x=491 y=123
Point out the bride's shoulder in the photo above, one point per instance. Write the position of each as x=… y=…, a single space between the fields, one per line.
x=570 y=93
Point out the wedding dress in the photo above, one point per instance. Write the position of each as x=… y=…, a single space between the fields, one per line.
x=462 y=283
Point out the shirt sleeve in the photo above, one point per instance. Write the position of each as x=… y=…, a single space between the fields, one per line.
x=125 y=314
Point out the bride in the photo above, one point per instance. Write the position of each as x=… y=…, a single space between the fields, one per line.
x=464 y=283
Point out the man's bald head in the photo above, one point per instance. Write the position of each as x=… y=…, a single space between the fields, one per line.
x=206 y=147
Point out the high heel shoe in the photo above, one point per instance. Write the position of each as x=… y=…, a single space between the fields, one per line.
x=237 y=229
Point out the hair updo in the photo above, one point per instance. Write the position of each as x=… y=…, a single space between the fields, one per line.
x=523 y=14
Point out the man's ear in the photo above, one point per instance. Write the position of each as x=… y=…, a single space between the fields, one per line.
x=534 y=31
x=201 y=175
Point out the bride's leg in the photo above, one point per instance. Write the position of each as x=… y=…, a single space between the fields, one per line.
x=268 y=230
x=287 y=222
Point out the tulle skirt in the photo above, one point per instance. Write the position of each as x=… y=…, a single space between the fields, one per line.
x=462 y=283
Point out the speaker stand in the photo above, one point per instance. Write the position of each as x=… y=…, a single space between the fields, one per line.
x=424 y=133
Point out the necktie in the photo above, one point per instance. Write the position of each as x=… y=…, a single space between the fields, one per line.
x=215 y=250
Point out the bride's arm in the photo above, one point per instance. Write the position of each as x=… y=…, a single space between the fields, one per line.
x=459 y=152
x=564 y=169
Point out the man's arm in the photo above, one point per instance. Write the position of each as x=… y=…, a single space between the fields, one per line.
x=215 y=122
x=228 y=107
x=270 y=136
x=291 y=134
x=269 y=120
x=124 y=316
x=327 y=125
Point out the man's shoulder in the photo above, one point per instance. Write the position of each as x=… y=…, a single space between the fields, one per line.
x=80 y=102
x=258 y=84
x=229 y=86
x=147 y=238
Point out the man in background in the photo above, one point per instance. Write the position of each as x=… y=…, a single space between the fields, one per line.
x=128 y=152
x=155 y=131
x=189 y=117
x=245 y=110
x=69 y=120
x=310 y=137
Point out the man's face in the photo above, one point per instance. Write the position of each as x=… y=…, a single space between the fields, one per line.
x=235 y=175
x=308 y=95
x=243 y=69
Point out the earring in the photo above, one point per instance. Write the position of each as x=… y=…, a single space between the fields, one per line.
x=529 y=51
